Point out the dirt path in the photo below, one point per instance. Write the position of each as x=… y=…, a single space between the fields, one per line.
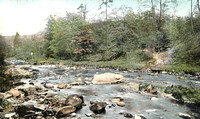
x=161 y=59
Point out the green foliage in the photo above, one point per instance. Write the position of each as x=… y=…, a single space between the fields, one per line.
x=184 y=94
x=4 y=82
x=16 y=40
x=24 y=50
x=183 y=68
x=61 y=35
x=184 y=34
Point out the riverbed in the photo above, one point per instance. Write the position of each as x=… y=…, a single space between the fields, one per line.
x=135 y=103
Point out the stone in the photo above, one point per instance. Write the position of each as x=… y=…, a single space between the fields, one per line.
x=87 y=83
x=75 y=100
x=1 y=109
x=121 y=103
x=7 y=95
x=46 y=85
x=127 y=115
x=139 y=78
x=150 y=110
x=62 y=86
x=148 y=88
x=139 y=116
x=76 y=83
x=73 y=115
x=98 y=107
x=86 y=79
x=63 y=111
x=79 y=75
x=107 y=78
x=184 y=116
x=48 y=112
x=154 y=99
x=29 y=89
x=22 y=110
x=79 y=79
x=116 y=99
x=14 y=93
x=10 y=115
x=90 y=115
x=153 y=92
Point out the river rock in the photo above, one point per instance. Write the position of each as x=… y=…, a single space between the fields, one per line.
x=63 y=111
x=121 y=103
x=7 y=95
x=23 y=110
x=87 y=83
x=86 y=79
x=14 y=93
x=154 y=99
x=48 y=112
x=29 y=89
x=46 y=85
x=75 y=100
x=79 y=75
x=153 y=92
x=107 y=78
x=139 y=116
x=1 y=109
x=73 y=115
x=184 y=116
x=98 y=107
x=62 y=86
x=10 y=115
x=127 y=115
x=116 y=99
x=79 y=79
x=76 y=83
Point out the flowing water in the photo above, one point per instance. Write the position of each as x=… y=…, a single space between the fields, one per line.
x=136 y=103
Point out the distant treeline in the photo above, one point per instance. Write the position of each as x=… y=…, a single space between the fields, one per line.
x=72 y=37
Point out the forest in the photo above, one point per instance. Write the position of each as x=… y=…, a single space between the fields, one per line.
x=120 y=39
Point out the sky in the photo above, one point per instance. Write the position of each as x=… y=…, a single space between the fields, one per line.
x=30 y=16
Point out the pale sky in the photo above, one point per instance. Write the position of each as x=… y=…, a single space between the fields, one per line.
x=31 y=17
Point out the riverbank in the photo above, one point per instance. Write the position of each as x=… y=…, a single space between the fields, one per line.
x=125 y=64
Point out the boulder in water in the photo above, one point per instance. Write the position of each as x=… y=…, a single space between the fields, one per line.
x=14 y=93
x=121 y=103
x=62 y=86
x=75 y=100
x=63 y=111
x=46 y=85
x=107 y=78
x=184 y=116
x=98 y=107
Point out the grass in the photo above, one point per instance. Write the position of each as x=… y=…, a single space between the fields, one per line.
x=132 y=61
x=183 y=68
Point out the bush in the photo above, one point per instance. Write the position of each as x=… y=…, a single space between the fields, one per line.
x=184 y=94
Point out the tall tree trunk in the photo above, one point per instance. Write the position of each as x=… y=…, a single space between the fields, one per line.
x=192 y=16
x=198 y=6
x=106 y=23
x=160 y=17
x=84 y=12
x=153 y=11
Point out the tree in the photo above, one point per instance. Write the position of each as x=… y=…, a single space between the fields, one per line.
x=83 y=10
x=16 y=40
x=198 y=6
x=4 y=82
x=62 y=33
x=106 y=16
x=85 y=43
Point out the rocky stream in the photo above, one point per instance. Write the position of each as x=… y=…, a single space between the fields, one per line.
x=59 y=91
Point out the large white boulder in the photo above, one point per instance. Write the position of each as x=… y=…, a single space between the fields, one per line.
x=107 y=78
